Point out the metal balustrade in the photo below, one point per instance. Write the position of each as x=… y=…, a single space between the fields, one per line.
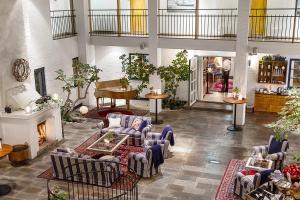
x=281 y=25
x=123 y=22
x=63 y=24
x=198 y=23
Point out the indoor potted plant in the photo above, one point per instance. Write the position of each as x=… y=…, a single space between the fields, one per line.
x=124 y=82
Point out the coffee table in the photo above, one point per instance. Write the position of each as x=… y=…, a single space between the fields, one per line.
x=6 y=149
x=108 y=143
x=252 y=164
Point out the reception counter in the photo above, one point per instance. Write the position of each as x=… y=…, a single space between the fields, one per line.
x=269 y=102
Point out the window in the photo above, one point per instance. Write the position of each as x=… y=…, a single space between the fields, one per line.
x=294 y=73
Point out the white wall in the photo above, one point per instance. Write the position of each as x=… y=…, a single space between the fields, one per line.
x=28 y=35
x=205 y=4
x=107 y=58
x=59 y=5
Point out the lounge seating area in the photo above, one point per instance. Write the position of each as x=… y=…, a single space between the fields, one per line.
x=149 y=100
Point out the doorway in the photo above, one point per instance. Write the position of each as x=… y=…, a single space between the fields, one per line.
x=211 y=79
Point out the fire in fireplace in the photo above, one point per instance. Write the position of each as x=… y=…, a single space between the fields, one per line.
x=41 y=127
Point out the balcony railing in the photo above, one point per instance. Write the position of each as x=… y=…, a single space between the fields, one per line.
x=114 y=22
x=275 y=25
x=198 y=23
x=63 y=24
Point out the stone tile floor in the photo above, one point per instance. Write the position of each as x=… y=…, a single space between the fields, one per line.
x=203 y=149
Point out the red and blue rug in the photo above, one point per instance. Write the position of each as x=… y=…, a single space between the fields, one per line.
x=226 y=187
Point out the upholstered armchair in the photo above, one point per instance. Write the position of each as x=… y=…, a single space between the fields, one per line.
x=143 y=163
x=244 y=184
x=164 y=138
x=277 y=158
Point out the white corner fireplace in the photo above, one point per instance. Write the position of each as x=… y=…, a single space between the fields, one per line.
x=38 y=129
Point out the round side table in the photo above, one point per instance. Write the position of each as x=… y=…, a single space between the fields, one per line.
x=156 y=97
x=234 y=102
x=5 y=151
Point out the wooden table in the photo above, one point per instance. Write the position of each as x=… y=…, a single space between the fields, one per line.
x=234 y=101
x=156 y=97
x=6 y=150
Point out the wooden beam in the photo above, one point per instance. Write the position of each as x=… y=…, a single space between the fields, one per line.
x=197 y=19
x=119 y=17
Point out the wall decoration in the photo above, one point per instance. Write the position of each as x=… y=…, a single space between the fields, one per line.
x=181 y=4
x=21 y=70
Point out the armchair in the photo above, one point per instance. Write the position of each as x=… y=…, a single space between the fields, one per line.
x=166 y=138
x=244 y=184
x=143 y=163
x=277 y=158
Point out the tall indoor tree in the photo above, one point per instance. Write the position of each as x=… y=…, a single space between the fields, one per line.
x=84 y=75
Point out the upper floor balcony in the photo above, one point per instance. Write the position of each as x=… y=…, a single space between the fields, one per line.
x=62 y=14
x=63 y=24
x=198 y=23
x=119 y=22
x=275 y=25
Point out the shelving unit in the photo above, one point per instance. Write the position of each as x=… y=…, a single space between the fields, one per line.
x=272 y=72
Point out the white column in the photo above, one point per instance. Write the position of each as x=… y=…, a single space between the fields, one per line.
x=241 y=60
x=154 y=51
x=86 y=51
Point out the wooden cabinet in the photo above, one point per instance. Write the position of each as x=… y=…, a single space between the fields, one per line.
x=269 y=102
x=272 y=72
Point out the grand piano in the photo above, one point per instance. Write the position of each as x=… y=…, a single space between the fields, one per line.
x=113 y=90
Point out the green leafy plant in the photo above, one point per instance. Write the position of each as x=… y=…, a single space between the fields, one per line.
x=83 y=77
x=297 y=159
x=236 y=90
x=139 y=68
x=289 y=121
x=173 y=74
x=59 y=194
x=124 y=82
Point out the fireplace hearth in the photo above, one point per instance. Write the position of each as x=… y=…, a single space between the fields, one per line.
x=42 y=132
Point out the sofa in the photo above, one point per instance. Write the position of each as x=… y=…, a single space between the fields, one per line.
x=136 y=137
x=277 y=158
x=80 y=168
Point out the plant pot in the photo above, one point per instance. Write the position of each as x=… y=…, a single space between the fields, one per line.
x=19 y=154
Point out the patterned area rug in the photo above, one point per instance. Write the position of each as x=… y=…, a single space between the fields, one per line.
x=122 y=152
x=226 y=187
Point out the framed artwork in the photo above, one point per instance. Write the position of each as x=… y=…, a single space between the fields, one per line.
x=181 y=5
x=134 y=56
x=294 y=73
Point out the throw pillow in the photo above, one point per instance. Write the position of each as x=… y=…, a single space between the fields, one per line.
x=143 y=125
x=275 y=146
x=136 y=123
x=114 y=122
